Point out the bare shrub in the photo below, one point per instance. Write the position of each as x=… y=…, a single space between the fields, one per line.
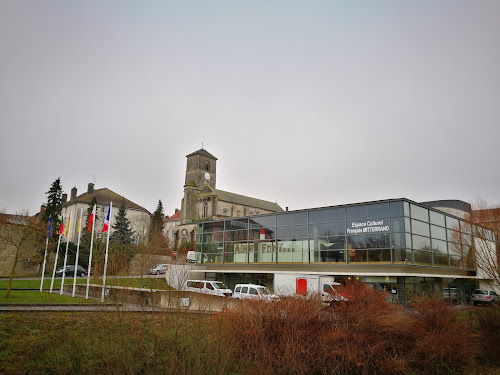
x=367 y=335
x=279 y=337
x=442 y=343
x=487 y=324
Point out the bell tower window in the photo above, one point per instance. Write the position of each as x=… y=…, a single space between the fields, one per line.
x=207 y=166
x=205 y=209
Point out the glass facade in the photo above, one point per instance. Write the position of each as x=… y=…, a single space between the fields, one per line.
x=387 y=232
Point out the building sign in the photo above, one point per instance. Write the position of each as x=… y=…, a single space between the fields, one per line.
x=368 y=226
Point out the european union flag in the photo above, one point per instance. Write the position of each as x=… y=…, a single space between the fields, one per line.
x=49 y=227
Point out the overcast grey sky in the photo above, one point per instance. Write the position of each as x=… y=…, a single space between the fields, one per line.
x=307 y=103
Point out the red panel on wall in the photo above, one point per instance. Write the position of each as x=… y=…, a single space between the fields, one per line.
x=301 y=286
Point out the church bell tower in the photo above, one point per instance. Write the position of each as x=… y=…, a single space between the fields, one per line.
x=200 y=171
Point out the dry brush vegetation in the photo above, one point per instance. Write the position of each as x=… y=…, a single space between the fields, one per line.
x=290 y=336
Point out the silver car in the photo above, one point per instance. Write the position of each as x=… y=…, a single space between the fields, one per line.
x=453 y=295
x=485 y=296
x=158 y=269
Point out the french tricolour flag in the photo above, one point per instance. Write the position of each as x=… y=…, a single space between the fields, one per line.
x=105 y=227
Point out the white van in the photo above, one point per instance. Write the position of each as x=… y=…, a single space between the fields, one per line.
x=194 y=257
x=190 y=257
x=252 y=291
x=217 y=288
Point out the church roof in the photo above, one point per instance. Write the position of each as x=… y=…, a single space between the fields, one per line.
x=104 y=196
x=240 y=199
x=203 y=152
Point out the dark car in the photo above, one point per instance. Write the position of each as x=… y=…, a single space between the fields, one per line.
x=70 y=271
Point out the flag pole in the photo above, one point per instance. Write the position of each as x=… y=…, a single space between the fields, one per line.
x=57 y=254
x=106 y=256
x=44 y=261
x=68 y=234
x=90 y=256
x=77 y=251
x=49 y=230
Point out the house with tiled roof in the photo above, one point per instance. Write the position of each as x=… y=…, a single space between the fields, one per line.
x=170 y=228
x=139 y=216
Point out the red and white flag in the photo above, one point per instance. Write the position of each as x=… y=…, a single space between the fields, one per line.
x=91 y=219
x=105 y=227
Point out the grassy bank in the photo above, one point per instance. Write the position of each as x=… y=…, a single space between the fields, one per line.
x=133 y=282
x=34 y=296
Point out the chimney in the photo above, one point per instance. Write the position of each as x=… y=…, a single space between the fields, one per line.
x=90 y=190
x=64 y=198
x=73 y=194
x=176 y=210
x=286 y=209
x=42 y=208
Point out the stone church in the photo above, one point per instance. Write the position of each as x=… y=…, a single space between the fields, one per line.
x=203 y=201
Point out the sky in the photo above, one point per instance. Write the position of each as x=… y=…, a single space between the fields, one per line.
x=304 y=103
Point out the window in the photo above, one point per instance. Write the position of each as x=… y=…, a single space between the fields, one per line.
x=438 y=232
x=396 y=209
x=205 y=209
x=244 y=290
x=419 y=227
x=437 y=219
x=253 y=291
x=421 y=243
x=207 y=165
x=368 y=211
x=368 y=241
x=264 y=221
x=298 y=218
x=419 y=213
x=210 y=286
x=327 y=229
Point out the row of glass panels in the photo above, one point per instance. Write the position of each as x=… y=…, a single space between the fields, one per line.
x=333 y=229
x=360 y=256
x=341 y=214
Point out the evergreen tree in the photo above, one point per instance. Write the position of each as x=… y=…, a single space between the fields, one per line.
x=122 y=232
x=53 y=206
x=156 y=226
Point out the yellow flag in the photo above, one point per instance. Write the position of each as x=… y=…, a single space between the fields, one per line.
x=79 y=221
x=67 y=226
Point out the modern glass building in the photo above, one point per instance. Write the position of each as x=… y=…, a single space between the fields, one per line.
x=397 y=244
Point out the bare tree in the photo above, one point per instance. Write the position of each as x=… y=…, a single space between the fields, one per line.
x=140 y=226
x=485 y=240
x=21 y=235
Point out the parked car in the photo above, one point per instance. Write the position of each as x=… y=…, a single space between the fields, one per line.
x=252 y=291
x=485 y=296
x=217 y=288
x=158 y=269
x=70 y=271
x=452 y=295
